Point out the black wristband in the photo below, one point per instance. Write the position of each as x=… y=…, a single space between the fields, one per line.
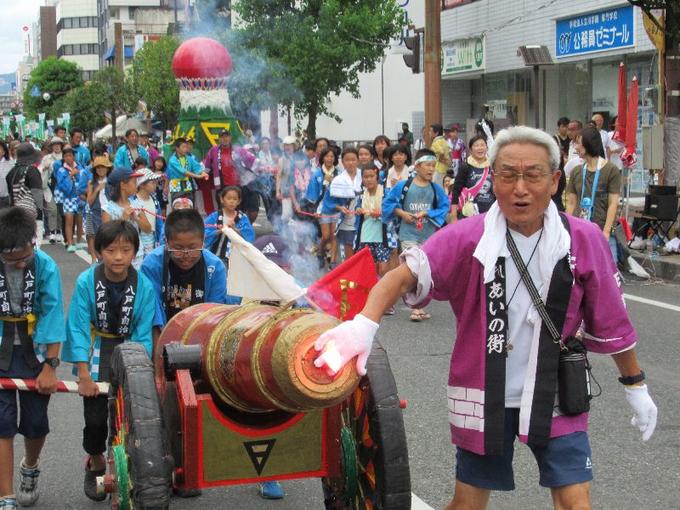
x=629 y=380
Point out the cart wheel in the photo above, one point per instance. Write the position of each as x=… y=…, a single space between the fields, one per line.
x=373 y=442
x=137 y=451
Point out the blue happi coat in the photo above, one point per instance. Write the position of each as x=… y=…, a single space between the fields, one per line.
x=79 y=346
x=48 y=306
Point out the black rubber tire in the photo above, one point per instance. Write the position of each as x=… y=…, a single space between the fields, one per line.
x=149 y=464
x=389 y=453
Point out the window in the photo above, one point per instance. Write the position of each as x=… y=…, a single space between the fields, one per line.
x=68 y=22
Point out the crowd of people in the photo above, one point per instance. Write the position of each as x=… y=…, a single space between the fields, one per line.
x=154 y=229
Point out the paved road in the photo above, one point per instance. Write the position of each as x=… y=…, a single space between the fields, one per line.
x=630 y=475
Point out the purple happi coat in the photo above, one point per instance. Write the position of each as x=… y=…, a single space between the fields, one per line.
x=596 y=302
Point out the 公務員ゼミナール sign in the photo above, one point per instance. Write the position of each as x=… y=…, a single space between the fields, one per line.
x=604 y=30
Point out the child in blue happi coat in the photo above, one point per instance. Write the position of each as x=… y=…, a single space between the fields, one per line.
x=182 y=272
x=230 y=216
x=110 y=305
x=31 y=332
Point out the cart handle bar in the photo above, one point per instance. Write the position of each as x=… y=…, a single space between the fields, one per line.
x=7 y=383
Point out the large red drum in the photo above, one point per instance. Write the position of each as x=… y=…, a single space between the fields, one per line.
x=259 y=358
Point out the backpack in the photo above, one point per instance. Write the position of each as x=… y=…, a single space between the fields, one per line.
x=21 y=195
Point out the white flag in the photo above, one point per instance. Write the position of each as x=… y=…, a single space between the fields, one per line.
x=251 y=275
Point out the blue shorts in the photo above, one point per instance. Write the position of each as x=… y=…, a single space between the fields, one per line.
x=566 y=460
x=346 y=237
x=34 y=423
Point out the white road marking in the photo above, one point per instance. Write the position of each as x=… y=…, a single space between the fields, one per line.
x=652 y=302
x=419 y=504
x=85 y=256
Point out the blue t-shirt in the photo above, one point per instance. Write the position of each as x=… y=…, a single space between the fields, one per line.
x=418 y=198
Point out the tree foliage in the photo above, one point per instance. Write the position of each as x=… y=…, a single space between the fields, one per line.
x=153 y=80
x=53 y=76
x=321 y=46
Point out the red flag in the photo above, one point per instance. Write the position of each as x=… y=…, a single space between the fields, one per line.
x=343 y=291
x=629 y=157
x=620 y=129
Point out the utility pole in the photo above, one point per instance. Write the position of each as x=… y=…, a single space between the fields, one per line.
x=432 y=62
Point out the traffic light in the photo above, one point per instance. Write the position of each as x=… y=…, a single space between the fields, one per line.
x=412 y=59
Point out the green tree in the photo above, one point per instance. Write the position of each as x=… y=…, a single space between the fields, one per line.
x=87 y=106
x=321 y=45
x=53 y=76
x=117 y=93
x=154 y=81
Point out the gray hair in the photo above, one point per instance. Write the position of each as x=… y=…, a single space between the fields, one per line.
x=525 y=134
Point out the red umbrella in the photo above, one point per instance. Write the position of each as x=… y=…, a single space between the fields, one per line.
x=620 y=130
x=629 y=156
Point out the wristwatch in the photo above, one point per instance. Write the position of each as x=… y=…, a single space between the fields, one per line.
x=629 y=380
x=53 y=362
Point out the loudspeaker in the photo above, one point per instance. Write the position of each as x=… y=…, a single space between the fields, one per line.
x=663 y=190
x=661 y=207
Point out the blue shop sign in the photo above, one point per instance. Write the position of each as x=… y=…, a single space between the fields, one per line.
x=597 y=31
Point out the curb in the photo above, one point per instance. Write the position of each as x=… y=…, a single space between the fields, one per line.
x=662 y=268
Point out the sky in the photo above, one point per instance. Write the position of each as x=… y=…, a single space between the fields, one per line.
x=15 y=14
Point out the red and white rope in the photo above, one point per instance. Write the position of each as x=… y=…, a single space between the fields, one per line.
x=7 y=383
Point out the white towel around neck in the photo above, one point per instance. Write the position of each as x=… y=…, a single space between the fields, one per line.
x=343 y=186
x=553 y=246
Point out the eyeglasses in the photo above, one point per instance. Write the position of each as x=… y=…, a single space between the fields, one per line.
x=185 y=252
x=530 y=176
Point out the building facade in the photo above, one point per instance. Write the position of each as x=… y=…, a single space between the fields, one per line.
x=78 y=34
x=483 y=73
x=141 y=21
x=388 y=96
x=23 y=74
x=46 y=33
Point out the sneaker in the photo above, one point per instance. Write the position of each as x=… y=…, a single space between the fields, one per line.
x=81 y=246
x=28 y=492
x=71 y=248
x=59 y=236
x=52 y=238
x=271 y=490
x=390 y=310
x=8 y=503
x=90 y=483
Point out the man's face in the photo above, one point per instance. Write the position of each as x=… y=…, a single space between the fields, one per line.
x=404 y=128
x=183 y=149
x=225 y=140
x=453 y=134
x=133 y=138
x=68 y=158
x=522 y=202
x=562 y=129
x=431 y=133
x=598 y=119
x=61 y=133
x=572 y=130
x=76 y=138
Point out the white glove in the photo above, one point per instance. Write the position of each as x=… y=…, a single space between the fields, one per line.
x=344 y=342
x=644 y=410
